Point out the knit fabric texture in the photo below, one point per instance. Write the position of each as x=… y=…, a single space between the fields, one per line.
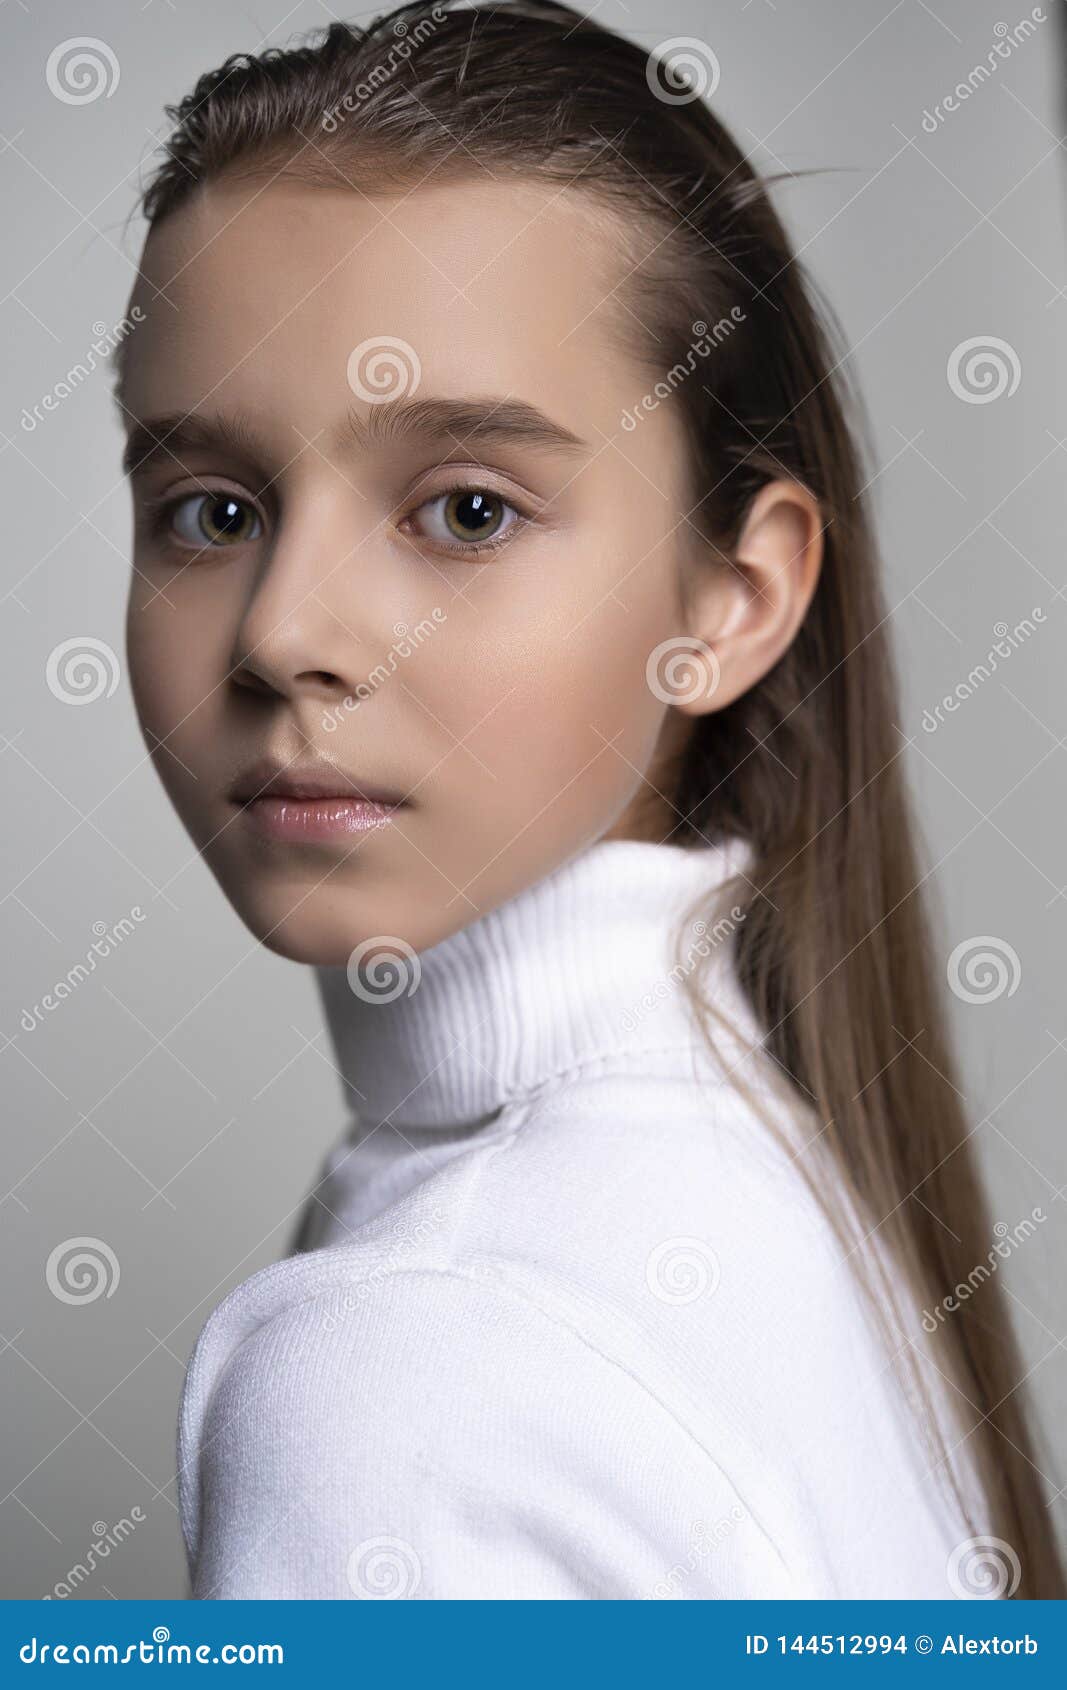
x=567 y=1321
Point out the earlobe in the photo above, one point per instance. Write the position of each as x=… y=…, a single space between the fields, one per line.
x=745 y=612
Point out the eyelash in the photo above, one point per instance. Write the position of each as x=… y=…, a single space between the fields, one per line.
x=496 y=542
x=160 y=512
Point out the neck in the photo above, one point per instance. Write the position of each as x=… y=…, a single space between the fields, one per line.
x=586 y=964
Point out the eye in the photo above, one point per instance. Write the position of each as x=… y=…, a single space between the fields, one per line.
x=214 y=519
x=466 y=519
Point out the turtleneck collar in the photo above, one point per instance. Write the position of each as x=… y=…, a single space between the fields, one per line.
x=582 y=964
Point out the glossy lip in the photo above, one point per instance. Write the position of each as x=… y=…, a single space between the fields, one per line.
x=311 y=802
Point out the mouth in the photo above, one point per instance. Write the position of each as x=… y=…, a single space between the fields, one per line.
x=318 y=804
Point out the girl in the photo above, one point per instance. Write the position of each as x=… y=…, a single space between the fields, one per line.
x=504 y=626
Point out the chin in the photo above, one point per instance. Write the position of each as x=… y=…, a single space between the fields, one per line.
x=317 y=939
x=301 y=944
x=318 y=928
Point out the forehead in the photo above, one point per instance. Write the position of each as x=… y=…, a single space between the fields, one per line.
x=494 y=285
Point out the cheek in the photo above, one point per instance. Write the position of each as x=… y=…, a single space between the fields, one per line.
x=176 y=656
x=547 y=689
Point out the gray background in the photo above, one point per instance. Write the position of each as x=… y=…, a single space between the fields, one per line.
x=177 y=1106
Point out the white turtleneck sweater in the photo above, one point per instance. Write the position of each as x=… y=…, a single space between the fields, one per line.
x=568 y=1322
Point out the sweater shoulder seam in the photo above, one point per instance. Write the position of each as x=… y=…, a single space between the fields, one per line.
x=508 y=1289
x=626 y=1064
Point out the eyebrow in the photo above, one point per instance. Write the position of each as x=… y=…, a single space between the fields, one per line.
x=487 y=421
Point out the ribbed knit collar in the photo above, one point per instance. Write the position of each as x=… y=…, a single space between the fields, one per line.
x=581 y=965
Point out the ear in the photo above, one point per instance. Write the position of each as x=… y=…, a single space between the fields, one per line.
x=743 y=613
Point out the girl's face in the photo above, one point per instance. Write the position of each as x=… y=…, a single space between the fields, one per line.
x=402 y=542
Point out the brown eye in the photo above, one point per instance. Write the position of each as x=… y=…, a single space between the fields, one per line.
x=215 y=519
x=473 y=516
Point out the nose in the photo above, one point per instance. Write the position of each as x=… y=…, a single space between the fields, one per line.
x=296 y=636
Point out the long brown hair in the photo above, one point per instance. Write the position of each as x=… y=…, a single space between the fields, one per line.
x=832 y=950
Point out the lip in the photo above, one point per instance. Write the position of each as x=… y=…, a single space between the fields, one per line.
x=312 y=801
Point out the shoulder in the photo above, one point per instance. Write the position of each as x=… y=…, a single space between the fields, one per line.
x=614 y=1176
x=639 y=1217
x=447 y=1433
x=623 y=1318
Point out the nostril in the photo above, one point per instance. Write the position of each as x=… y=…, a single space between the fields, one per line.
x=251 y=681
x=321 y=680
